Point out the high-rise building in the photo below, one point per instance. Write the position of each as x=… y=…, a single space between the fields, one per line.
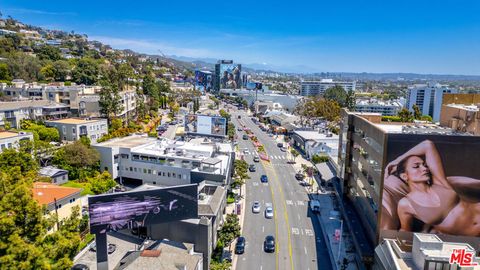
x=428 y=98
x=314 y=88
x=375 y=177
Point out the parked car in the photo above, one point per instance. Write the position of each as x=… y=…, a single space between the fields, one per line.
x=299 y=176
x=269 y=212
x=239 y=129
x=245 y=137
x=256 y=159
x=256 y=207
x=240 y=245
x=246 y=152
x=264 y=178
x=279 y=144
x=270 y=134
x=269 y=244
x=252 y=168
x=80 y=266
x=239 y=117
x=315 y=206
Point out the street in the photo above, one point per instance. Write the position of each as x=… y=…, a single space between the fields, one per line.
x=299 y=241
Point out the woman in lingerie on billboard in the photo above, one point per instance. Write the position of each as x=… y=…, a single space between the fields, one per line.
x=448 y=205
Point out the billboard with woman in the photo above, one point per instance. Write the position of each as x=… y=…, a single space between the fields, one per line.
x=431 y=185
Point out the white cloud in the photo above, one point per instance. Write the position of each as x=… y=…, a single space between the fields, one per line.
x=37 y=11
x=153 y=47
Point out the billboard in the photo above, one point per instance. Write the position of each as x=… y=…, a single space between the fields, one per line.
x=230 y=76
x=254 y=86
x=206 y=125
x=118 y=211
x=203 y=80
x=431 y=185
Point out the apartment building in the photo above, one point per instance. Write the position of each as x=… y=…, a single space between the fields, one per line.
x=367 y=146
x=71 y=129
x=385 y=108
x=143 y=160
x=9 y=139
x=315 y=88
x=57 y=199
x=428 y=98
x=82 y=100
x=15 y=111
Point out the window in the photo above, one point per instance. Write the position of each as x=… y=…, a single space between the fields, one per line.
x=144 y=170
x=73 y=130
x=131 y=169
x=154 y=182
x=174 y=175
x=135 y=169
x=149 y=171
x=9 y=145
x=179 y=176
x=168 y=174
x=159 y=173
x=106 y=168
x=3 y=146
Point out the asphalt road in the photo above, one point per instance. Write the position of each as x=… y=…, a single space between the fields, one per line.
x=299 y=240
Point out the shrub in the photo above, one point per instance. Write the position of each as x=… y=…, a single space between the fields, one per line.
x=319 y=159
x=391 y=119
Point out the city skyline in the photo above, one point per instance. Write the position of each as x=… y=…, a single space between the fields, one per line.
x=314 y=37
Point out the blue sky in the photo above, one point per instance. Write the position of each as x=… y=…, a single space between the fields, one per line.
x=437 y=37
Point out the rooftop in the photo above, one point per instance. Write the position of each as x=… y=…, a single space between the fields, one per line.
x=14 y=105
x=51 y=171
x=46 y=193
x=10 y=134
x=471 y=107
x=127 y=142
x=74 y=121
x=315 y=135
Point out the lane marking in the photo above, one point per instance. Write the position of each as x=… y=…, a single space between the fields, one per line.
x=305 y=250
x=263 y=228
x=295 y=231
x=308 y=232
x=289 y=202
x=298 y=216
x=300 y=203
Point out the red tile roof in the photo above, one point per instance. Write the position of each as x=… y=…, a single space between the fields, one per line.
x=45 y=193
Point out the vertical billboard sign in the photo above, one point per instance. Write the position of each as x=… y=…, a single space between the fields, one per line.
x=118 y=211
x=431 y=185
x=230 y=76
x=203 y=80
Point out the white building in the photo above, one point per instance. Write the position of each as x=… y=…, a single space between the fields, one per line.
x=10 y=139
x=15 y=111
x=71 y=129
x=428 y=251
x=385 y=108
x=143 y=160
x=428 y=98
x=316 y=142
x=314 y=88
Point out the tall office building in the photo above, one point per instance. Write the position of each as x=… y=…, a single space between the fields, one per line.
x=314 y=88
x=428 y=98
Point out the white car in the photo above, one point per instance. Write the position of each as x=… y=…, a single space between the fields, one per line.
x=269 y=212
x=246 y=152
x=256 y=207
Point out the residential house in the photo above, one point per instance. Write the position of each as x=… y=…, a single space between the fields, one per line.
x=71 y=129
x=9 y=139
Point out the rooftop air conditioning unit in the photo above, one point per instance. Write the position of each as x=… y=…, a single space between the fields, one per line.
x=202 y=196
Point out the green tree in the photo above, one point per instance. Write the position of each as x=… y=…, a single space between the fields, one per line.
x=101 y=183
x=86 y=71
x=230 y=229
x=124 y=73
x=80 y=160
x=417 y=114
x=405 y=115
x=48 y=72
x=426 y=118
x=338 y=94
x=62 y=70
x=11 y=158
x=225 y=265
x=351 y=100
x=110 y=98
x=240 y=168
x=48 y=52
x=5 y=72
x=224 y=114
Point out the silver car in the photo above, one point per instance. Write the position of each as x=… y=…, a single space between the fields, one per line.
x=256 y=207
x=269 y=212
